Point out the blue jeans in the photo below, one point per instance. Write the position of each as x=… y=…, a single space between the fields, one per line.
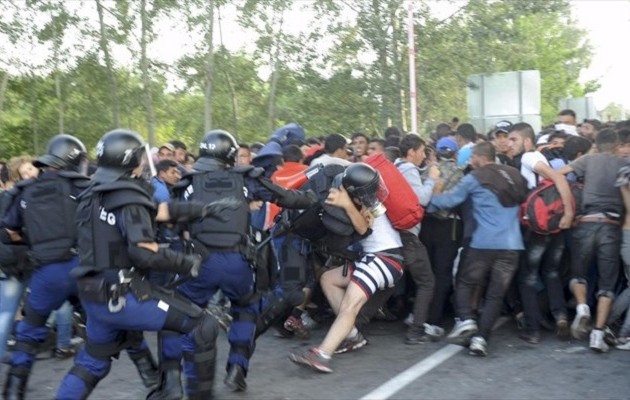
x=11 y=291
x=62 y=318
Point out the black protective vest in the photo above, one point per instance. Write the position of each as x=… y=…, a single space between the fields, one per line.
x=49 y=208
x=208 y=186
x=101 y=243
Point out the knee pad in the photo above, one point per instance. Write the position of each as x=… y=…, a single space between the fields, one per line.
x=206 y=332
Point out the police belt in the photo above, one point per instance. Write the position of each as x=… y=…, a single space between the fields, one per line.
x=247 y=250
x=101 y=289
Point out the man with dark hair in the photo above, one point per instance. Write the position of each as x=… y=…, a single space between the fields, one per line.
x=335 y=148
x=597 y=235
x=590 y=128
x=359 y=145
x=567 y=117
x=167 y=175
x=412 y=149
x=442 y=130
x=496 y=192
x=465 y=137
x=244 y=156
x=376 y=146
x=624 y=143
x=498 y=136
x=393 y=131
x=180 y=151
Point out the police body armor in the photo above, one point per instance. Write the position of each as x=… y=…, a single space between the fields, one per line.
x=49 y=216
x=101 y=244
x=231 y=233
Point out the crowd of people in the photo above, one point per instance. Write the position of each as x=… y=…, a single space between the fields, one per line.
x=251 y=237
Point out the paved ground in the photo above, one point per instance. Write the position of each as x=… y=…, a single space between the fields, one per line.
x=513 y=370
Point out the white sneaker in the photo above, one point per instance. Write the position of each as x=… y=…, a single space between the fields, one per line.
x=433 y=331
x=597 y=341
x=624 y=344
x=409 y=320
x=478 y=346
x=462 y=331
x=582 y=322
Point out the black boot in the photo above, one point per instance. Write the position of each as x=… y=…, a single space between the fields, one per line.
x=235 y=379
x=147 y=369
x=15 y=385
x=170 y=384
x=203 y=385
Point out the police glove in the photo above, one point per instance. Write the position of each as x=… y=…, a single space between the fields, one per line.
x=218 y=207
x=193 y=262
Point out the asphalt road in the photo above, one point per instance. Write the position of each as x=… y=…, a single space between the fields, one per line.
x=387 y=368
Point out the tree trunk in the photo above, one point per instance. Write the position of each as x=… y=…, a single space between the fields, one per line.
x=34 y=112
x=209 y=67
x=144 y=66
x=396 y=90
x=113 y=89
x=274 y=77
x=3 y=89
x=60 y=108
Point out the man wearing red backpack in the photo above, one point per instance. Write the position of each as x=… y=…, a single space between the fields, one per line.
x=543 y=252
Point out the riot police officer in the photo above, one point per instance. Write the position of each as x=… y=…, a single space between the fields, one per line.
x=115 y=220
x=226 y=246
x=42 y=214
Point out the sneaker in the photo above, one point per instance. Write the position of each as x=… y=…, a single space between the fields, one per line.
x=62 y=354
x=434 y=332
x=582 y=322
x=409 y=320
x=462 y=331
x=295 y=325
x=562 y=329
x=351 y=344
x=478 y=346
x=309 y=323
x=623 y=343
x=597 y=341
x=312 y=359
x=416 y=336
x=532 y=337
x=609 y=337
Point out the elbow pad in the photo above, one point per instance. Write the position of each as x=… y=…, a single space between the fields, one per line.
x=163 y=260
x=184 y=211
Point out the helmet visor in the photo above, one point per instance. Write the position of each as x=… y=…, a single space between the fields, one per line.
x=373 y=195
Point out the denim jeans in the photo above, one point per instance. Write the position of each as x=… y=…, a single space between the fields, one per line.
x=601 y=242
x=542 y=257
x=62 y=318
x=493 y=269
x=11 y=291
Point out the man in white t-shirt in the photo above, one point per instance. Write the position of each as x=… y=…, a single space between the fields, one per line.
x=543 y=252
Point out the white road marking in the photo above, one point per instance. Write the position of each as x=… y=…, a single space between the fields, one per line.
x=397 y=383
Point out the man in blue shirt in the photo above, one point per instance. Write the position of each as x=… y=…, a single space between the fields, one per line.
x=496 y=192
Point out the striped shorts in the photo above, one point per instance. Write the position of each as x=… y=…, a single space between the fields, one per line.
x=375 y=271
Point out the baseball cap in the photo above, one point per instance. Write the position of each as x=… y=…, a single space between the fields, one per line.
x=167 y=146
x=502 y=126
x=446 y=143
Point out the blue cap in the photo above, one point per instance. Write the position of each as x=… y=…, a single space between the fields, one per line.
x=446 y=143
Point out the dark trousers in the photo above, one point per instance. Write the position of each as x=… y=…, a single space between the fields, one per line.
x=442 y=239
x=418 y=266
x=543 y=256
x=493 y=269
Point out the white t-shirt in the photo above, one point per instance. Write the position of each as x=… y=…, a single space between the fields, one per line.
x=528 y=163
x=383 y=236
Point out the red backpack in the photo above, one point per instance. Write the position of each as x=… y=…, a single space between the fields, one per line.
x=543 y=209
x=403 y=208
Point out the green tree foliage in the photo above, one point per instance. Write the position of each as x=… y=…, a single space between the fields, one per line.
x=345 y=72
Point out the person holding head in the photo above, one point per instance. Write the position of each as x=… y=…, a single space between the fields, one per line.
x=496 y=192
x=378 y=268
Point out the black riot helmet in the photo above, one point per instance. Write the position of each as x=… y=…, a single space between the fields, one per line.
x=220 y=145
x=363 y=182
x=64 y=152
x=118 y=153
